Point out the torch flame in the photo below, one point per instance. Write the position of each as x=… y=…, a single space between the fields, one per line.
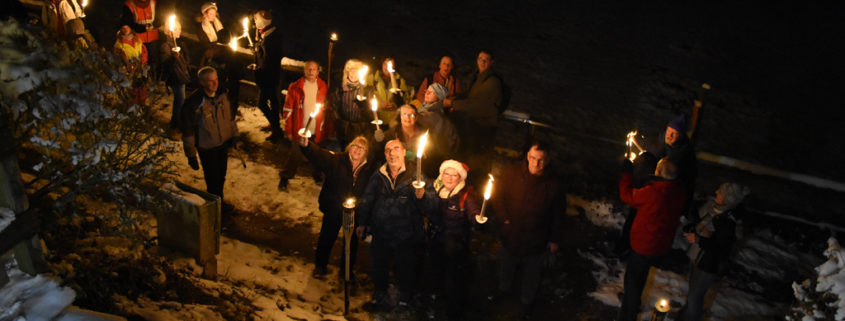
x=662 y=305
x=245 y=22
x=84 y=3
x=171 y=21
x=316 y=110
x=489 y=188
x=234 y=44
x=390 y=66
x=374 y=104
x=333 y=37
x=421 y=147
x=362 y=75
x=630 y=143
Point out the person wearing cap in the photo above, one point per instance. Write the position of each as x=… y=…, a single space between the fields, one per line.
x=135 y=56
x=529 y=208
x=450 y=234
x=442 y=76
x=140 y=16
x=711 y=236
x=347 y=175
x=175 y=69
x=659 y=206
x=391 y=210
x=214 y=39
x=432 y=116
x=679 y=149
x=209 y=129
x=268 y=70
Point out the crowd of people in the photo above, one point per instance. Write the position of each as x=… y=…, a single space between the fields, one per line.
x=380 y=119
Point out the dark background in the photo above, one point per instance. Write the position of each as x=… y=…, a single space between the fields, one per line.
x=596 y=70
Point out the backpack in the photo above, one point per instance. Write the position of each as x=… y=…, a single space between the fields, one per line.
x=507 y=93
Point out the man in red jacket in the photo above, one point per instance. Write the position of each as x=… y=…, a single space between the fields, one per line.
x=659 y=206
x=304 y=95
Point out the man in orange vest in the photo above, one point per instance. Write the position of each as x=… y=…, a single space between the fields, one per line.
x=140 y=16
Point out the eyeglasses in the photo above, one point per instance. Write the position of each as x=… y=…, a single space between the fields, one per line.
x=409 y=115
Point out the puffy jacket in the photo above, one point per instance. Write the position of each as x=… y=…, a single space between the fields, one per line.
x=295 y=117
x=454 y=215
x=391 y=209
x=341 y=180
x=659 y=206
x=529 y=209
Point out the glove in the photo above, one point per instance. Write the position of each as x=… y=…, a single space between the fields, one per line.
x=193 y=162
x=379 y=135
x=627 y=166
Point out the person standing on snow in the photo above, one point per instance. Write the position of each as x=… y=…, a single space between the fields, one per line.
x=268 y=72
x=659 y=206
x=712 y=236
x=209 y=129
x=175 y=70
x=529 y=207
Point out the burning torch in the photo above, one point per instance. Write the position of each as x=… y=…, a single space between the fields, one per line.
x=480 y=218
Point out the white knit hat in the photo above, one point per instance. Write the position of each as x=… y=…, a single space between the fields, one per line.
x=458 y=166
x=208 y=5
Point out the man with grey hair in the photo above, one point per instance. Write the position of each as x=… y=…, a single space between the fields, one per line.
x=659 y=206
x=209 y=129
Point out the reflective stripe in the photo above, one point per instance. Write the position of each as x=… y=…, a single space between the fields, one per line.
x=146 y=12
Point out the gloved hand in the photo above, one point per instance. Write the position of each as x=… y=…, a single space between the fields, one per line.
x=379 y=135
x=195 y=165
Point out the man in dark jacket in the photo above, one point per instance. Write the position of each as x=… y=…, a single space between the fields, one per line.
x=529 y=207
x=391 y=210
x=679 y=149
x=476 y=112
x=268 y=59
x=347 y=174
x=209 y=129
x=659 y=205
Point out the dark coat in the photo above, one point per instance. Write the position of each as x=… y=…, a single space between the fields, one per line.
x=390 y=208
x=340 y=182
x=454 y=215
x=682 y=154
x=268 y=59
x=529 y=208
x=482 y=101
x=659 y=206
x=175 y=69
x=715 y=251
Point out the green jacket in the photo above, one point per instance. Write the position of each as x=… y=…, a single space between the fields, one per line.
x=481 y=103
x=382 y=91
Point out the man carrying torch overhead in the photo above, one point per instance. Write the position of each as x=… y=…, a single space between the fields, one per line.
x=529 y=208
x=306 y=97
x=391 y=210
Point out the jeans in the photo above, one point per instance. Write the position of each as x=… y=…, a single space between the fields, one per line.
x=699 y=283
x=178 y=101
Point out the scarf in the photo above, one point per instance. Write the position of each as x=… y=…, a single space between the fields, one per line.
x=211 y=28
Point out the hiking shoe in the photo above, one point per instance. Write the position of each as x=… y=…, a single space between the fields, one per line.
x=283 y=184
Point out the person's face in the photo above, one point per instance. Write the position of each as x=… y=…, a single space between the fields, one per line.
x=352 y=76
x=125 y=30
x=394 y=153
x=311 y=70
x=384 y=69
x=484 y=61
x=537 y=160
x=210 y=14
x=209 y=82
x=720 y=200
x=408 y=116
x=451 y=178
x=357 y=152
x=430 y=96
x=446 y=66
x=671 y=136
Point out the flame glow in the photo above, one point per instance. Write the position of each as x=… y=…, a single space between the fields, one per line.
x=333 y=37
x=390 y=67
x=234 y=44
x=374 y=104
x=630 y=143
x=489 y=190
x=362 y=75
x=171 y=22
x=245 y=23
x=316 y=110
x=662 y=305
x=84 y=3
x=421 y=147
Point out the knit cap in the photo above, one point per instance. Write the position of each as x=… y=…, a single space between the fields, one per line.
x=679 y=124
x=733 y=194
x=439 y=90
x=208 y=5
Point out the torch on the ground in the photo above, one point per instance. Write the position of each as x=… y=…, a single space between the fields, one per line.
x=348 y=232
x=661 y=308
x=332 y=41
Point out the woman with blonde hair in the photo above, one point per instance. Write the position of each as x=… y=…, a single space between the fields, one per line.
x=351 y=104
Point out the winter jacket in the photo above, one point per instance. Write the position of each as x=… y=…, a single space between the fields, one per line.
x=138 y=17
x=207 y=122
x=352 y=117
x=381 y=89
x=682 y=154
x=455 y=215
x=445 y=135
x=451 y=83
x=529 y=209
x=712 y=250
x=391 y=209
x=268 y=57
x=133 y=51
x=294 y=115
x=212 y=52
x=483 y=99
x=175 y=69
x=659 y=206
x=342 y=181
